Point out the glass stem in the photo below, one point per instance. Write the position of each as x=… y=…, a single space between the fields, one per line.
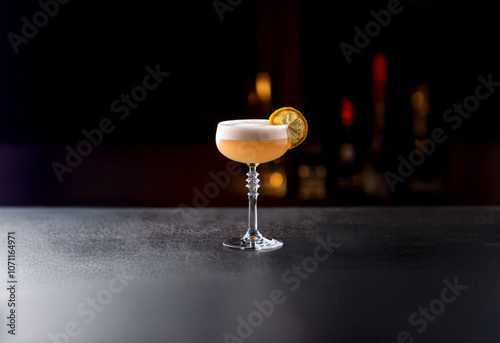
x=253 y=234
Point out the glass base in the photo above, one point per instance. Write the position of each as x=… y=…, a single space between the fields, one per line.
x=247 y=244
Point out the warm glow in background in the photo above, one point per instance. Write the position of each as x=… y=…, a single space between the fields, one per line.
x=363 y=115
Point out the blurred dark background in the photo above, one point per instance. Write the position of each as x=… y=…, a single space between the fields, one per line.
x=63 y=65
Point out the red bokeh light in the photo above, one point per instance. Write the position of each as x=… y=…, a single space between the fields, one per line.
x=347 y=112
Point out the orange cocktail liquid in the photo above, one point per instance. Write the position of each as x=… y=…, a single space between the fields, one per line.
x=253 y=151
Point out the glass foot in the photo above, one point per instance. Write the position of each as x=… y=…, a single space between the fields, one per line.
x=249 y=244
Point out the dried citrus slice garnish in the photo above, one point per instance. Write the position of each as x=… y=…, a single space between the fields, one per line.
x=297 y=124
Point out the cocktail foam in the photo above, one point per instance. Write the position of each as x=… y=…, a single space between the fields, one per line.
x=250 y=129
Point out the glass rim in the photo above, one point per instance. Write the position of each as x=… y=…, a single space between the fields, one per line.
x=257 y=122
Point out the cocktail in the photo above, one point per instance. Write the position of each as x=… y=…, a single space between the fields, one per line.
x=256 y=141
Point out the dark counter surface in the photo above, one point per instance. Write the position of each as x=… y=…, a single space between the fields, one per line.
x=162 y=275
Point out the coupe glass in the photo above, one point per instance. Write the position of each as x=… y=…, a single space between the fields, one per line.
x=252 y=141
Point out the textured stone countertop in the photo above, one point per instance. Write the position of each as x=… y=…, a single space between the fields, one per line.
x=160 y=275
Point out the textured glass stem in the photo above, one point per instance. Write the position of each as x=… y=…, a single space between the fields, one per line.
x=253 y=233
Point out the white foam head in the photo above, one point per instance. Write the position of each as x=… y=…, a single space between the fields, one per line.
x=250 y=129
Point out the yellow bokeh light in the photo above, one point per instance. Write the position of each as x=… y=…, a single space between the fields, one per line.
x=321 y=193
x=276 y=180
x=304 y=193
x=418 y=99
x=321 y=171
x=253 y=99
x=263 y=86
x=304 y=171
